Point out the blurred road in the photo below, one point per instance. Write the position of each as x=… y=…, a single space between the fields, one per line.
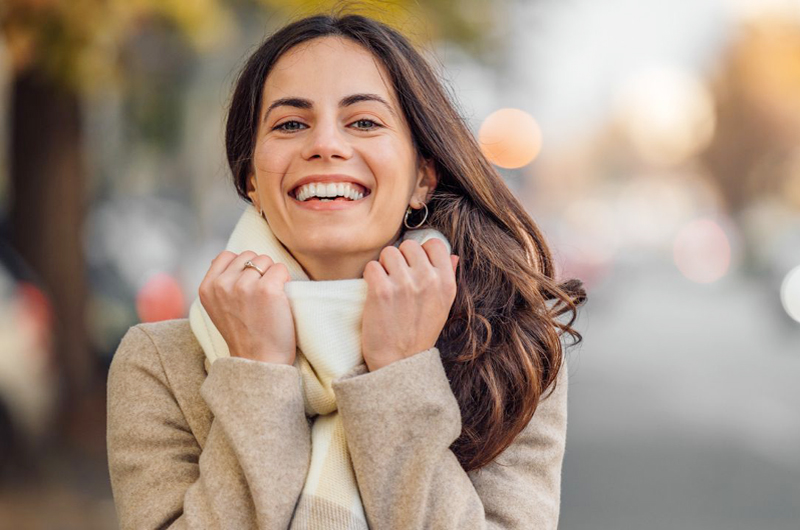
x=684 y=408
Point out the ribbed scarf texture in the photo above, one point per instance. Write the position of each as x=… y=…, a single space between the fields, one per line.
x=327 y=317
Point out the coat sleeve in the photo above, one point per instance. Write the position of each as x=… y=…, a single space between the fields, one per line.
x=400 y=421
x=252 y=467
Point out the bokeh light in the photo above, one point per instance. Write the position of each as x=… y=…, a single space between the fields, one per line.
x=37 y=315
x=790 y=293
x=702 y=251
x=667 y=114
x=752 y=9
x=160 y=298
x=510 y=138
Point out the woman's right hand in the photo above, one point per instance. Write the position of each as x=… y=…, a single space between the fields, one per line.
x=251 y=311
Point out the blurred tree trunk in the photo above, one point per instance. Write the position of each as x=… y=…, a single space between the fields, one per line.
x=47 y=177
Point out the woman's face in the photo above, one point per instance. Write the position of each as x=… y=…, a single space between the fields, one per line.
x=330 y=115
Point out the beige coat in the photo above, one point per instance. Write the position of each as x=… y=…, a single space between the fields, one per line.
x=230 y=448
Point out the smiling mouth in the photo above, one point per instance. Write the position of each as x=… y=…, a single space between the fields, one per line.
x=366 y=193
x=328 y=199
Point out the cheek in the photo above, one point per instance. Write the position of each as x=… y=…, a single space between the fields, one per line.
x=392 y=163
x=272 y=157
x=391 y=152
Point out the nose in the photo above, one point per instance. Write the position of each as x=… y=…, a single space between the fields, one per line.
x=326 y=140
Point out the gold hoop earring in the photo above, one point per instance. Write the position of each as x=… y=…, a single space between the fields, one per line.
x=408 y=212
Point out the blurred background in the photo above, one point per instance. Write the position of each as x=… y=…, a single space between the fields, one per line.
x=656 y=143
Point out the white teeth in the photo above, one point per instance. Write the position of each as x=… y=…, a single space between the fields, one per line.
x=328 y=191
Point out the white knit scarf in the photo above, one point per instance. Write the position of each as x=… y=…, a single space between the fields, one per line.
x=327 y=317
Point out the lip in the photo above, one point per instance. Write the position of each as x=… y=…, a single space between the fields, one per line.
x=329 y=205
x=330 y=177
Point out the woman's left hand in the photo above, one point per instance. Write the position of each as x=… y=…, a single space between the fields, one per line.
x=410 y=291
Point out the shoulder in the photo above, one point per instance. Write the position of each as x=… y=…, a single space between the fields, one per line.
x=166 y=350
x=170 y=335
x=161 y=359
x=171 y=341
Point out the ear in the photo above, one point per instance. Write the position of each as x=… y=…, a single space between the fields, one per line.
x=252 y=189
x=427 y=179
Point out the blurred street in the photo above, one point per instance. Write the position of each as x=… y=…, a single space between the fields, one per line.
x=683 y=408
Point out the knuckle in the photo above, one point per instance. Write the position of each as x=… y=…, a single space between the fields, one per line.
x=369 y=269
x=437 y=243
x=389 y=251
x=430 y=278
x=383 y=294
x=216 y=287
x=218 y=291
x=408 y=283
x=385 y=291
x=270 y=289
x=239 y=288
x=202 y=294
x=276 y=273
x=408 y=244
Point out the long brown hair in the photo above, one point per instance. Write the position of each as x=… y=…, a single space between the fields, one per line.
x=501 y=346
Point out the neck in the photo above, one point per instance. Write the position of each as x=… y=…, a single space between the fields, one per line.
x=324 y=267
x=334 y=267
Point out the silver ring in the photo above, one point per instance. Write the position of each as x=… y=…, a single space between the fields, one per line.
x=252 y=265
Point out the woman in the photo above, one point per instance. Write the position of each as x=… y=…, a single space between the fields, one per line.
x=340 y=368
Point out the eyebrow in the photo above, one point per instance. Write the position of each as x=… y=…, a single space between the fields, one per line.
x=302 y=103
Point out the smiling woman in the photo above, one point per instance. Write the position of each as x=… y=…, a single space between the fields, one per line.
x=340 y=367
x=345 y=129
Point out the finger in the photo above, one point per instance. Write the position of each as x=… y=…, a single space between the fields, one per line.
x=374 y=273
x=414 y=254
x=249 y=274
x=235 y=267
x=277 y=273
x=437 y=253
x=220 y=263
x=454 y=260
x=394 y=262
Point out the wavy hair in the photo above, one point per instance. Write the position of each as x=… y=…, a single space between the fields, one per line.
x=501 y=345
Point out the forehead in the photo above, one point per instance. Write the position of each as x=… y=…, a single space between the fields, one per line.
x=328 y=67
